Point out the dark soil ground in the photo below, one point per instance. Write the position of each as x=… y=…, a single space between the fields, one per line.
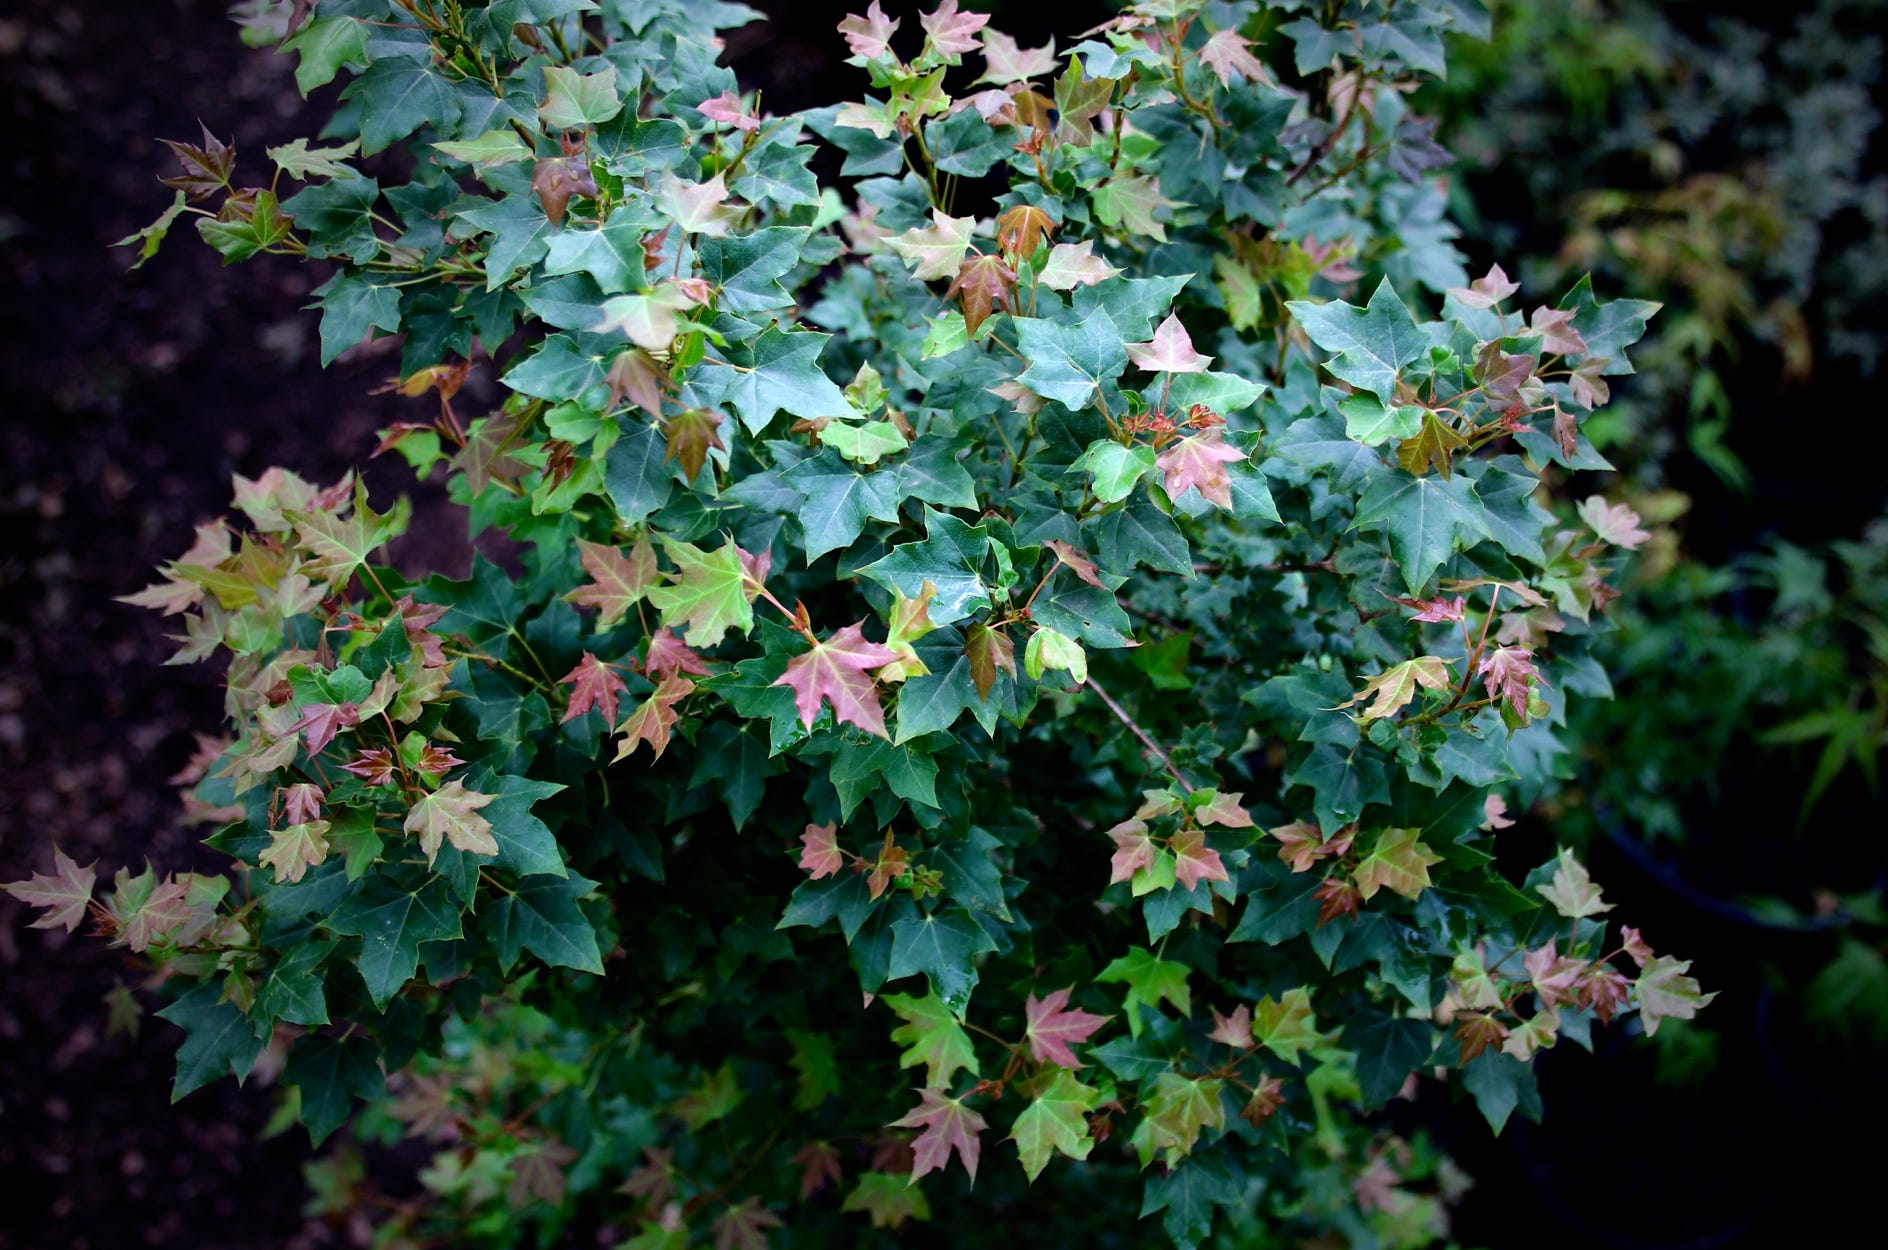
x=131 y=399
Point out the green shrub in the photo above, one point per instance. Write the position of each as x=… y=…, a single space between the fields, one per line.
x=917 y=698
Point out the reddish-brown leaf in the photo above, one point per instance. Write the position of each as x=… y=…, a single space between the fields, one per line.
x=948 y=1125
x=1224 y=809
x=1053 y=1027
x=1023 y=229
x=820 y=854
x=988 y=650
x=593 y=685
x=557 y=180
x=837 y=671
x=744 y=1227
x=301 y=802
x=1268 y=1095
x=1506 y=673
x=893 y=861
x=617 y=582
x=1478 y=1032
x=653 y=718
x=983 y=283
x=1078 y=564
x=64 y=895
x=320 y=722
x=374 y=766
x=206 y=168
x=1336 y=897
x=819 y=1167
x=1198 y=461
x=1194 y=861
x=690 y=436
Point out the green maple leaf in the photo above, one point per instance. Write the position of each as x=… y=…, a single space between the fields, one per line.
x=1425 y=518
x=1115 y=468
x=1286 y=1026
x=296 y=849
x=1150 y=981
x=611 y=253
x=1398 y=861
x=950 y=558
x=1373 y=343
x=864 y=444
x=1392 y=690
x=542 y=916
x=574 y=100
x=1128 y=205
x=1189 y=1192
x=1572 y=891
x=746 y=269
x=1608 y=328
x=1068 y=363
x=1175 y=1114
x=218 y=1039
x=943 y=946
x=331 y=1073
x=778 y=370
x=323 y=47
x=838 y=500
x=890 y=1200
x=520 y=236
x=710 y=595
x=1432 y=446
x=392 y=921
x=398 y=95
x=931 y=1035
x=1055 y=1121
x=351 y=305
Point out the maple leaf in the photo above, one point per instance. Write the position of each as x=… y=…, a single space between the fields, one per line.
x=669 y=656
x=1226 y=53
x=1434 y=611
x=1268 y=1095
x=1051 y=1029
x=836 y=671
x=1005 y=62
x=821 y=856
x=1603 y=991
x=1223 y=809
x=690 y=436
x=1572 y=891
x=952 y=32
x=888 y=1198
x=651 y=319
x=1169 y=351
x=1150 y=981
x=1555 y=326
x=892 y=863
x=1074 y=264
x=653 y=718
x=450 y=813
x=869 y=37
x=1179 y=1110
x=1537 y=1032
x=374 y=765
x=301 y=802
x=745 y=1227
x=64 y=895
x=143 y=909
x=296 y=849
x=1554 y=975
x=1336 y=897
x=1666 y=993
x=320 y=722
x=1506 y=673
x=1486 y=291
x=1432 y=446
x=1472 y=983
x=1066 y=554
x=1287 y=1026
x=819 y=1167
x=557 y=180
x=726 y=109
x=935 y=251
x=712 y=592
x=1134 y=849
x=698 y=208
x=1398 y=861
x=1055 y=1121
x=1391 y=690
x=910 y=621
x=1194 y=861
x=1023 y=229
x=988 y=650
x=206 y=169
x=1198 y=461
x=932 y=1036
x=537 y=1171
x=1590 y=391
x=983 y=283
x=1614 y=523
x=1477 y=1033
x=617 y=582
x=1635 y=945
x=593 y=685
x=1234 y=1030
x=948 y=1125
x=1495 y=814
x=635 y=376
x=1300 y=844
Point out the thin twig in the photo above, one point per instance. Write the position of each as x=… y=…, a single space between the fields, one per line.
x=1160 y=753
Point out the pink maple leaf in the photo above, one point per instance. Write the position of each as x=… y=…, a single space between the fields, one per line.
x=1169 y=351
x=373 y=765
x=320 y=722
x=1194 y=861
x=1486 y=291
x=64 y=895
x=1555 y=976
x=1435 y=610
x=1078 y=564
x=951 y=31
x=1226 y=53
x=1134 y=850
x=1199 y=461
x=821 y=856
x=948 y=1125
x=302 y=802
x=837 y=671
x=1234 y=1030
x=726 y=109
x=1555 y=326
x=869 y=37
x=1052 y=1030
x=1506 y=673
x=593 y=685
x=669 y=655
x=1615 y=523
x=1224 y=809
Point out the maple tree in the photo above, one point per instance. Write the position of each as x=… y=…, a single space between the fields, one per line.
x=451 y=899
